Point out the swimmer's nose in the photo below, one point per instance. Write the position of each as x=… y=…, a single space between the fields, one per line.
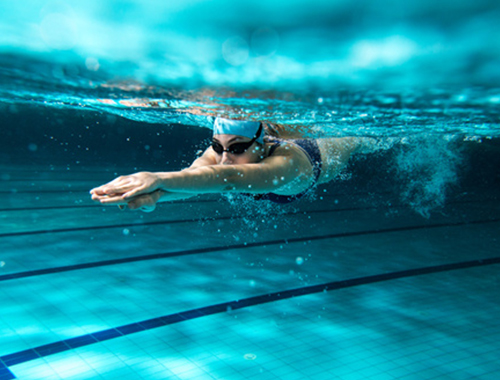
x=225 y=160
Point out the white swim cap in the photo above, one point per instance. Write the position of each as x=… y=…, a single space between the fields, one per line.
x=238 y=127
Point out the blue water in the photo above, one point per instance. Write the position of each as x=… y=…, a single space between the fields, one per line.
x=342 y=68
x=388 y=272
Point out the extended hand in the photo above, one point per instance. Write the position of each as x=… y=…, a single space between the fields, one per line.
x=143 y=202
x=126 y=187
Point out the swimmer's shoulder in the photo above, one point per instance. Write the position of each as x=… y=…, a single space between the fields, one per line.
x=285 y=148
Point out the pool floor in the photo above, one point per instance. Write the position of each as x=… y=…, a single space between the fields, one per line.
x=349 y=286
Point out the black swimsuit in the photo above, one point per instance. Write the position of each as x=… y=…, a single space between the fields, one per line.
x=311 y=149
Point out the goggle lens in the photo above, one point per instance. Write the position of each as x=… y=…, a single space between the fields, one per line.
x=238 y=148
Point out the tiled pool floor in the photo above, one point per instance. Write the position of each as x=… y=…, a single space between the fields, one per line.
x=204 y=289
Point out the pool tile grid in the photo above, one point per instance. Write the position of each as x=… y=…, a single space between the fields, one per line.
x=115 y=364
x=233 y=336
x=62 y=290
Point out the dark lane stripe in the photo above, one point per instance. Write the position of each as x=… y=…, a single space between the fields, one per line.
x=5 y=373
x=149 y=324
x=91 y=206
x=156 y=256
x=44 y=208
x=89 y=228
x=140 y=224
x=76 y=207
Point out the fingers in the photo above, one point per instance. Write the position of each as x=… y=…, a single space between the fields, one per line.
x=128 y=186
x=145 y=202
x=135 y=192
x=111 y=200
x=120 y=188
x=117 y=186
x=118 y=200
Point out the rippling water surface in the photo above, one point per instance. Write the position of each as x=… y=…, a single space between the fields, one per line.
x=341 y=68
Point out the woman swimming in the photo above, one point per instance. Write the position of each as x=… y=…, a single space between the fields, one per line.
x=241 y=159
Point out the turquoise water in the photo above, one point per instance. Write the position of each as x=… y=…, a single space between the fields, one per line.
x=389 y=272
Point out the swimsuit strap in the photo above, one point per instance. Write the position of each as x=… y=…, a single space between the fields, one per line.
x=276 y=144
x=311 y=149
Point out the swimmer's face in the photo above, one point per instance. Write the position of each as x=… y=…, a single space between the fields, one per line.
x=253 y=154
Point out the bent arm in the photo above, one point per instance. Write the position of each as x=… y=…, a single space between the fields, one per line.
x=206 y=159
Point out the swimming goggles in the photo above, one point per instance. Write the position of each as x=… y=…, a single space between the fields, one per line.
x=236 y=148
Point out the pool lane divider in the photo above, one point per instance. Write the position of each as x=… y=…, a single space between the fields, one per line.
x=39 y=352
x=156 y=256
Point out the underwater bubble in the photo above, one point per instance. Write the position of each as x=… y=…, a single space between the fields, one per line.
x=32 y=147
x=2 y=264
x=251 y=283
x=126 y=231
x=250 y=356
x=299 y=260
x=92 y=64
x=235 y=51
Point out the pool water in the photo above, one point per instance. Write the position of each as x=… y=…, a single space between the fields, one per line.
x=391 y=271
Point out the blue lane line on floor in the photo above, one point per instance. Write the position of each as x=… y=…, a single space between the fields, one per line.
x=78 y=229
x=100 y=336
x=45 y=208
x=156 y=256
x=5 y=373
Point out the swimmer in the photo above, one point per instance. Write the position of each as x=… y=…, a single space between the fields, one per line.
x=244 y=157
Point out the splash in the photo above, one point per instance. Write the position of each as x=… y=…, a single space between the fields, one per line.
x=427 y=167
x=257 y=216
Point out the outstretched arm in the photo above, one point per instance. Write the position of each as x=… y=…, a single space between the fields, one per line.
x=286 y=174
x=147 y=202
